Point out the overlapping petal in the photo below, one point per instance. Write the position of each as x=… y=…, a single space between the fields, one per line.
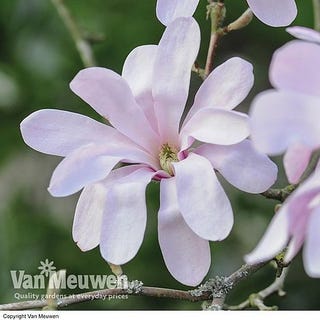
x=274 y=240
x=218 y=126
x=241 y=165
x=177 y=52
x=84 y=166
x=304 y=33
x=279 y=119
x=125 y=216
x=202 y=201
x=288 y=71
x=276 y=13
x=295 y=161
x=226 y=86
x=138 y=72
x=87 y=221
x=187 y=256
x=60 y=132
x=169 y=10
x=311 y=250
x=109 y=94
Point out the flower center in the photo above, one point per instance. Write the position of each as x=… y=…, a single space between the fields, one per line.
x=167 y=155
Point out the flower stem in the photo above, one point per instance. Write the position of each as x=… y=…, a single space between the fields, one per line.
x=316 y=10
x=82 y=44
x=216 y=12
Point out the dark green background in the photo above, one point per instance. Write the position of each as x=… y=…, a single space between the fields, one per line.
x=37 y=62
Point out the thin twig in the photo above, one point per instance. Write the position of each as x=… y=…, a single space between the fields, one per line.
x=282 y=194
x=316 y=12
x=83 y=46
x=257 y=299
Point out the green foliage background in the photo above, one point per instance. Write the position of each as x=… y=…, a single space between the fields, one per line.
x=37 y=62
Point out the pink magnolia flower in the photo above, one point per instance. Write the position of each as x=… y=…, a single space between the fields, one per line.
x=287 y=118
x=144 y=107
x=276 y=13
x=297 y=222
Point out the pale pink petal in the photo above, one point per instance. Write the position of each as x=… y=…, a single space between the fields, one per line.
x=311 y=250
x=202 y=201
x=280 y=119
x=296 y=161
x=177 y=52
x=169 y=10
x=290 y=72
x=216 y=126
x=88 y=216
x=125 y=216
x=90 y=207
x=275 y=13
x=226 y=86
x=186 y=255
x=274 y=240
x=84 y=166
x=138 y=72
x=60 y=132
x=304 y=33
x=109 y=94
x=241 y=165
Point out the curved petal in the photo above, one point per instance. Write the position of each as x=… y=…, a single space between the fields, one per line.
x=177 y=52
x=295 y=161
x=88 y=216
x=142 y=59
x=60 y=132
x=274 y=13
x=186 y=255
x=226 y=86
x=87 y=221
x=202 y=201
x=304 y=33
x=84 y=166
x=109 y=94
x=280 y=119
x=288 y=71
x=311 y=250
x=274 y=240
x=125 y=216
x=216 y=126
x=241 y=165
x=169 y=10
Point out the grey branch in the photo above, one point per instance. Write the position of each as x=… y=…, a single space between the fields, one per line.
x=216 y=288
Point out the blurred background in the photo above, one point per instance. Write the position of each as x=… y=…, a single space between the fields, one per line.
x=37 y=61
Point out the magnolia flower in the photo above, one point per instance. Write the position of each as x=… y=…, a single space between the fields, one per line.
x=297 y=222
x=144 y=107
x=275 y=13
x=287 y=118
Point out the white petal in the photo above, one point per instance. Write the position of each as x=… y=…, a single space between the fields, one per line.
x=177 y=52
x=138 y=71
x=274 y=240
x=109 y=94
x=276 y=13
x=86 y=165
x=187 y=256
x=125 y=216
x=311 y=250
x=296 y=161
x=202 y=201
x=280 y=119
x=169 y=10
x=215 y=126
x=226 y=86
x=304 y=33
x=241 y=165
